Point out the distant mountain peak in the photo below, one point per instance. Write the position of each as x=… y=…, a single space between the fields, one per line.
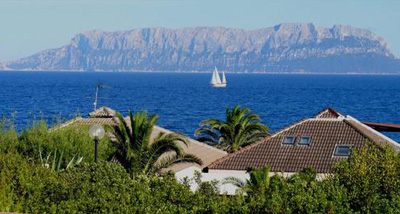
x=287 y=47
x=293 y=26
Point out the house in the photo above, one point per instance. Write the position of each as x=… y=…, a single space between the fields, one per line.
x=208 y=154
x=318 y=142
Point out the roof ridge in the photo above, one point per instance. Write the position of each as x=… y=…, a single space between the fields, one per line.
x=330 y=109
x=109 y=112
x=258 y=143
x=70 y=122
x=340 y=118
x=194 y=141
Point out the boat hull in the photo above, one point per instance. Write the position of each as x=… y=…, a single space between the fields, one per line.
x=218 y=85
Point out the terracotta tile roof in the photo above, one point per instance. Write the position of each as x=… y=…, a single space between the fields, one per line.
x=325 y=134
x=89 y=121
x=103 y=112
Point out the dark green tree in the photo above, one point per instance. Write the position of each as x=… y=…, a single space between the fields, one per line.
x=240 y=128
x=139 y=153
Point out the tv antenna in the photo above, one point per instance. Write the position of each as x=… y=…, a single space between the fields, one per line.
x=98 y=86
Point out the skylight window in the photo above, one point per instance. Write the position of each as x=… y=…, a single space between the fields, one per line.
x=288 y=140
x=342 y=151
x=305 y=141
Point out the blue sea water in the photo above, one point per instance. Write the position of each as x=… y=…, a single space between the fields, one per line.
x=184 y=99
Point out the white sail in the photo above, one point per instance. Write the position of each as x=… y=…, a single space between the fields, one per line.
x=217 y=76
x=214 y=77
x=223 y=78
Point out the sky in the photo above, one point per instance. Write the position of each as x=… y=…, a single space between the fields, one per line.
x=29 y=26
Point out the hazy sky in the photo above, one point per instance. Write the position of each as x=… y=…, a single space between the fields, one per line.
x=28 y=26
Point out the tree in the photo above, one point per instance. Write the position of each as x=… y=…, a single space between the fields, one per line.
x=240 y=128
x=371 y=176
x=139 y=153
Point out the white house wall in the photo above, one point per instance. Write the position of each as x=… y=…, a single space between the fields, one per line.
x=220 y=175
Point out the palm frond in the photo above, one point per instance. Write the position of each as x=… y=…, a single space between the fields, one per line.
x=208 y=140
x=148 y=130
x=138 y=153
x=164 y=144
x=234 y=181
x=175 y=159
x=210 y=122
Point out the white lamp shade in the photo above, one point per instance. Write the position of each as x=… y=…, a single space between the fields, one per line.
x=96 y=132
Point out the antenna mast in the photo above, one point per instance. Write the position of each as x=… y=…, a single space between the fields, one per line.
x=95 y=99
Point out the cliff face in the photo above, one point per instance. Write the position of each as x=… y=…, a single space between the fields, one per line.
x=282 y=48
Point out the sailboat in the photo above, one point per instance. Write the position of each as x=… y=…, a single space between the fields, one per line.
x=216 y=80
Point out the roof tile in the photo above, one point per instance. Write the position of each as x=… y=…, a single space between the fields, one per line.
x=328 y=129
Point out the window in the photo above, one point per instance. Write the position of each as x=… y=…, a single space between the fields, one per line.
x=305 y=141
x=288 y=140
x=342 y=151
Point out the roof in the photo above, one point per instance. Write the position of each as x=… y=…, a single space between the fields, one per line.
x=103 y=112
x=325 y=132
x=328 y=113
x=90 y=121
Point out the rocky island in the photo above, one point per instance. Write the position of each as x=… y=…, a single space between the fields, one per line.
x=284 y=48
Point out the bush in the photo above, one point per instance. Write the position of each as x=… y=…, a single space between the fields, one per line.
x=39 y=139
x=301 y=193
x=21 y=183
x=96 y=188
x=8 y=136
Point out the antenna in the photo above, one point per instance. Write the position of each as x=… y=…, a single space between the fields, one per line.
x=96 y=97
x=98 y=86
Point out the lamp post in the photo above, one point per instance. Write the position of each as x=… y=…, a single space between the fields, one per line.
x=96 y=132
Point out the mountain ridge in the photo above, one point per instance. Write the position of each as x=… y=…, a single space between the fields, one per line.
x=287 y=47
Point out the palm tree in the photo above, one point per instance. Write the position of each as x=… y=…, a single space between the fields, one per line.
x=258 y=183
x=241 y=128
x=139 y=154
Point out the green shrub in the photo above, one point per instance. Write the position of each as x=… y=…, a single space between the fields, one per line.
x=71 y=141
x=21 y=182
x=372 y=179
x=8 y=136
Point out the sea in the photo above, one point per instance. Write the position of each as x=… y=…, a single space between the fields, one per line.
x=183 y=100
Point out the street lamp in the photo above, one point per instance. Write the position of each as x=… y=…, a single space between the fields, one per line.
x=96 y=132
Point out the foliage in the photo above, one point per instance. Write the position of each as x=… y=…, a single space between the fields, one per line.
x=372 y=177
x=240 y=128
x=8 y=135
x=106 y=187
x=57 y=160
x=257 y=184
x=366 y=182
x=39 y=139
x=21 y=183
x=139 y=153
x=96 y=188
